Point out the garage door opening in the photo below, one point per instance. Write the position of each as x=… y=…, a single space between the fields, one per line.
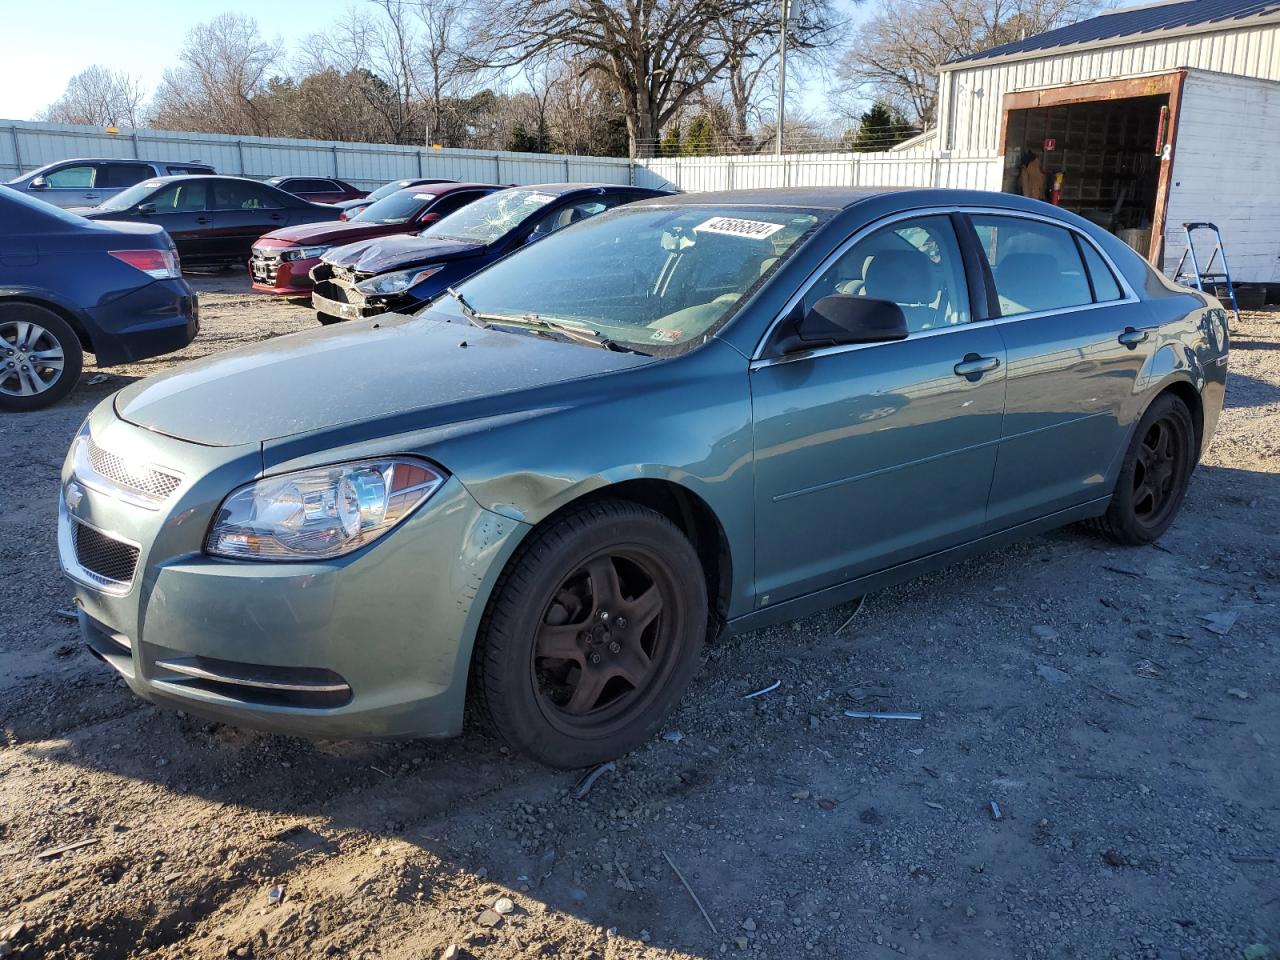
x=1100 y=157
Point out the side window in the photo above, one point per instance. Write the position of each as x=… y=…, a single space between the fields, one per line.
x=82 y=176
x=915 y=264
x=1036 y=266
x=311 y=186
x=559 y=219
x=119 y=175
x=1105 y=286
x=454 y=201
x=185 y=197
x=229 y=195
x=177 y=170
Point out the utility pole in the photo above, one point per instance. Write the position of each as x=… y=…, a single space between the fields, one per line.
x=782 y=77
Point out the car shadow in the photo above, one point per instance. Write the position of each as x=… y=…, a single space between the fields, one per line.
x=400 y=821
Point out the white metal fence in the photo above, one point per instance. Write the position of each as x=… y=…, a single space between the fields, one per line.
x=972 y=171
x=25 y=146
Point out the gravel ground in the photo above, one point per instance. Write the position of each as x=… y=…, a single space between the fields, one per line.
x=1127 y=729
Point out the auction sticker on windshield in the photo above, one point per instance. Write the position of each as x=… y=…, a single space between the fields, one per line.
x=737 y=227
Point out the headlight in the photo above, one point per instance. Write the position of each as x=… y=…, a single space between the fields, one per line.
x=399 y=281
x=322 y=513
x=304 y=253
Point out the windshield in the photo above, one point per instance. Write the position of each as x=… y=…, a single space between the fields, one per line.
x=654 y=279
x=130 y=197
x=387 y=189
x=490 y=218
x=400 y=207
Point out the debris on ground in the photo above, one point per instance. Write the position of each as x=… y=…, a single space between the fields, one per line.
x=873 y=715
x=1052 y=674
x=763 y=690
x=589 y=779
x=1221 y=622
x=689 y=889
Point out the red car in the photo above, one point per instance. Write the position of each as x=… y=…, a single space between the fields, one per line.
x=318 y=189
x=282 y=260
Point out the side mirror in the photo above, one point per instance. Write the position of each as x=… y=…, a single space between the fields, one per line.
x=39 y=183
x=428 y=218
x=844 y=319
x=146 y=209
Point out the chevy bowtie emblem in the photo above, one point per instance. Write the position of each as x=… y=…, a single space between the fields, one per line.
x=73 y=495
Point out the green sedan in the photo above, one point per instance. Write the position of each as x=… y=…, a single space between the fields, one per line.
x=687 y=417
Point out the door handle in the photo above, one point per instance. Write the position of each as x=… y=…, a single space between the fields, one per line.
x=1132 y=336
x=276 y=216
x=203 y=220
x=973 y=366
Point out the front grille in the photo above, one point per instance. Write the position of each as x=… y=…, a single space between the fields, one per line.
x=264 y=266
x=146 y=480
x=102 y=556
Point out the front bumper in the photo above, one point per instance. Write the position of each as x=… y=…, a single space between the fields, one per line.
x=289 y=278
x=376 y=644
x=338 y=297
x=154 y=319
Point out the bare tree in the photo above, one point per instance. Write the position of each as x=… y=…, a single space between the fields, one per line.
x=657 y=54
x=221 y=79
x=897 y=56
x=98 y=96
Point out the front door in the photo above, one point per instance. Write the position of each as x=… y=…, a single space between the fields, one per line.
x=870 y=455
x=73 y=185
x=1077 y=341
x=180 y=209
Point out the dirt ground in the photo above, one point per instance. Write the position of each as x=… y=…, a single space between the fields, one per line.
x=1120 y=706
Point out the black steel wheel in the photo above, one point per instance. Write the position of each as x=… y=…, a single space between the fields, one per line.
x=592 y=635
x=40 y=357
x=1154 y=476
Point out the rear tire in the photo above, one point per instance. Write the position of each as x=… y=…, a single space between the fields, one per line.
x=1154 y=475
x=40 y=357
x=592 y=635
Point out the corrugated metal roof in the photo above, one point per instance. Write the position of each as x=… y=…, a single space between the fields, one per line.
x=1138 y=22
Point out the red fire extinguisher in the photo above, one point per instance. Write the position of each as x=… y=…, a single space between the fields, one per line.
x=1055 y=193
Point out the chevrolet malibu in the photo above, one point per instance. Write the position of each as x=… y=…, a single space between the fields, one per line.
x=689 y=416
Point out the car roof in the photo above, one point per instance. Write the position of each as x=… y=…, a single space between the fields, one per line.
x=842 y=198
x=562 y=189
x=174 y=177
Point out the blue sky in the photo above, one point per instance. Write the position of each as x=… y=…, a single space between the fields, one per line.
x=42 y=47
x=52 y=40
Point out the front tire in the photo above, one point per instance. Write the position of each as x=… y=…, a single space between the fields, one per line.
x=592 y=635
x=40 y=357
x=1154 y=475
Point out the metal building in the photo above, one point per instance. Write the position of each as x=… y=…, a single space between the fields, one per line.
x=1141 y=119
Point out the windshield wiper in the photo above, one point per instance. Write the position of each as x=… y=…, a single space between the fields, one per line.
x=531 y=321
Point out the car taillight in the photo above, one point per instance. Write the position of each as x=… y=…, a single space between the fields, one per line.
x=161 y=264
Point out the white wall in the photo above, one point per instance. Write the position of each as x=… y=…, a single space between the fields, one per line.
x=926 y=168
x=971 y=97
x=25 y=146
x=1226 y=170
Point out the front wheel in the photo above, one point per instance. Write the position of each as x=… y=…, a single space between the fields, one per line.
x=592 y=635
x=40 y=357
x=1154 y=475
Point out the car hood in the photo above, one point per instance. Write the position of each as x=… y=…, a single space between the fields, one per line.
x=358 y=371
x=343 y=232
x=397 y=253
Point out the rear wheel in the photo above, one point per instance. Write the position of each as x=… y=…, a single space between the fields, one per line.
x=1154 y=476
x=592 y=635
x=40 y=357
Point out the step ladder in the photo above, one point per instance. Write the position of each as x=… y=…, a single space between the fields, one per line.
x=1208 y=277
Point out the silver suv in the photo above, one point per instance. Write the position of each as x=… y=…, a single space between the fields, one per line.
x=86 y=183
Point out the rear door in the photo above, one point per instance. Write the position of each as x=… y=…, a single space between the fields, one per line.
x=870 y=455
x=113 y=177
x=1077 y=340
x=241 y=212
